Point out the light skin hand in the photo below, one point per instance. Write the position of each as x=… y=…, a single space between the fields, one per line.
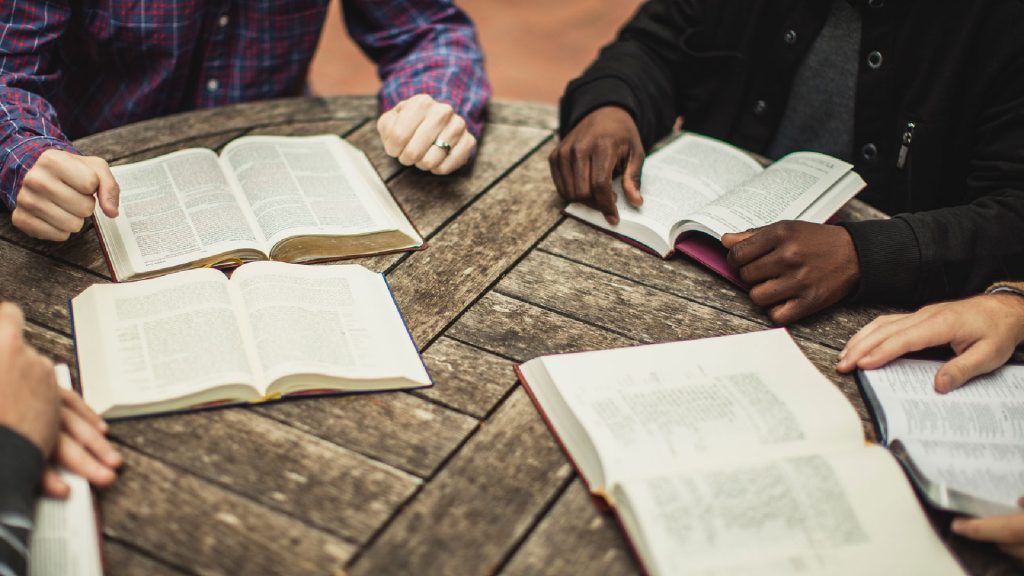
x=28 y=387
x=983 y=331
x=409 y=130
x=795 y=268
x=58 y=422
x=1007 y=531
x=603 y=144
x=60 y=191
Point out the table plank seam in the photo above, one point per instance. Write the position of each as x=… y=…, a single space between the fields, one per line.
x=537 y=519
x=228 y=488
x=707 y=304
x=41 y=253
x=146 y=554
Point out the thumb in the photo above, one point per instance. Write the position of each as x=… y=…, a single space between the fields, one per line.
x=12 y=314
x=981 y=358
x=108 y=193
x=631 y=177
x=731 y=239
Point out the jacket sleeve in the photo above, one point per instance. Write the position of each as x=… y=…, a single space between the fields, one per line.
x=423 y=47
x=21 y=468
x=959 y=251
x=28 y=72
x=638 y=71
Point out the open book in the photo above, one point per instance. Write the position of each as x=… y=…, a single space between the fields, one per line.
x=195 y=338
x=696 y=189
x=963 y=449
x=286 y=198
x=66 y=539
x=733 y=455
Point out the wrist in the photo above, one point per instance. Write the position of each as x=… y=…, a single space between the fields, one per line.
x=1013 y=305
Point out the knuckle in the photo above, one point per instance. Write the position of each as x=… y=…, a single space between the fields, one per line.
x=34 y=179
x=459 y=123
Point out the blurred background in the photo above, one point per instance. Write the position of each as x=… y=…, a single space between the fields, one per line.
x=533 y=47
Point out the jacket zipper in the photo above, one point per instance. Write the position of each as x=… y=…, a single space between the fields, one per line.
x=908 y=139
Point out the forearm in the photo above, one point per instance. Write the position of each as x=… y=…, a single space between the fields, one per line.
x=637 y=72
x=953 y=252
x=28 y=70
x=423 y=47
x=19 y=477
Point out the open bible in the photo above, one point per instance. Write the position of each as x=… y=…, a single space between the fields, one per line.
x=733 y=455
x=196 y=338
x=66 y=538
x=286 y=198
x=963 y=449
x=696 y=189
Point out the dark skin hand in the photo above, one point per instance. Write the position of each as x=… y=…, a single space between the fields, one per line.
x=795 y=268
x=604 y=144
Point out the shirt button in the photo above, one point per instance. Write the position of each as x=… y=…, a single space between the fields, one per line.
x=760 y=107
x=223 y=20
x=212 y=85
x=789 y=37
x=869 y=152
x=875 y=60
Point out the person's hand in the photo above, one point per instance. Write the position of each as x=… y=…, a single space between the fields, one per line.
x=29 y=402
x=59 y=192
x=603 y=144
x=795 y=268
x=410 y=129
x=983 y=331
x=1007 y=532
x=82 y=448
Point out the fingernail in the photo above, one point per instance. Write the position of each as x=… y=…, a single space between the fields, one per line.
x=104 y=426
x=944 y=383
x=842 y=353
x=958 y=525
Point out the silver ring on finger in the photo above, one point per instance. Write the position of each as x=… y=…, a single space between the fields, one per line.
x=444 y=146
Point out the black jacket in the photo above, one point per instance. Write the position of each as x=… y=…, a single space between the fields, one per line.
x=21 y=466
x=954 y=69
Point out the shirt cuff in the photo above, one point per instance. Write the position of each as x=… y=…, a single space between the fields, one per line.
x=890 y=260
x=20 y=473
x=18 y=159
x=584 y=99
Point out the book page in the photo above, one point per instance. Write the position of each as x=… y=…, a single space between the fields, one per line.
x=850 y=512
x=176 y=209
x=330 y=320
x=159 y=339
x=650 y=408
x=64 y=541
x=302 y=186
x=676 y=182
x=782 y=192
x=971 y=439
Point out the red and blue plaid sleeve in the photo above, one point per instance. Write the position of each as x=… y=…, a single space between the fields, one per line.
x=423 y=47
x=28 y=72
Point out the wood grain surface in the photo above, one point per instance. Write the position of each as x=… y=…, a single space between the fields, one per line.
x=459 y=478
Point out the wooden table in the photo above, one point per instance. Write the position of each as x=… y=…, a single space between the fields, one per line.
x=462 y=478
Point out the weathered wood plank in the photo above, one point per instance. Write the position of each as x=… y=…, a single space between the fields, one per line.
x=55 y=346
x=41 y=286
x=522 y=331
x=466 y=378
x=280 y=467
x=175 y=128
x=574 y=538
x=483 y=502
x=185 y=521
x=341 y=127
x=121 y=560
x=517 y=113
x=433 y=286
x=687 y=279
x=431 y=200
x=399 y=429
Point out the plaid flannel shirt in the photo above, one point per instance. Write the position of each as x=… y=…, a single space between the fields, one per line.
x=72 y=69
